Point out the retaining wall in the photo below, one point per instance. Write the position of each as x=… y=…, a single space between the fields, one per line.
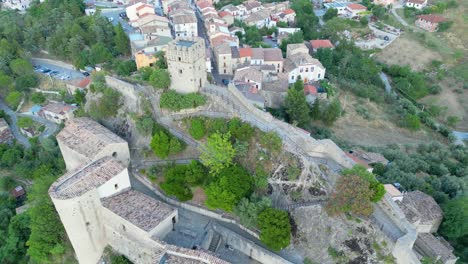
x=129 y=93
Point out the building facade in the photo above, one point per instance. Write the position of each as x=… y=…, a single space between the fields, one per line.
x=186 y=64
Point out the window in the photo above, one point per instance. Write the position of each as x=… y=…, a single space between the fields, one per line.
x=114 y=154
x=307 y=69
x=123 y=228
x=292 y=77
x=311 y=69
x=116 y=186
x=301 y=70
x=180 y=58
x=180 y=71
x=319 y=75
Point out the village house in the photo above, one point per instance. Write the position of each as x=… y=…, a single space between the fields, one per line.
x=150 y=20
x=339 y=6
x=287 y=16
x=224 y=58
x=435 y=248
x=276 y=7
x=249 y=75
x=6 y=137
x=233 y=10
x=137 y=10
x=314 y=92
x=252 y=6
x=57 y=112
x=185 y=25
x=418 y=4
x=429 y=22
x=320 y=44
x=260 y=19
x=292 y=49
x=227 y=17
x=354 y=10
x=283 y=33
x=143 y=59
x=302 y=65
x=149 y=46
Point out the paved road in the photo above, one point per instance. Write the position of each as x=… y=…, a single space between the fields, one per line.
x=50 y=129
x=114 y=15
x=23 y=140
x=62 y=67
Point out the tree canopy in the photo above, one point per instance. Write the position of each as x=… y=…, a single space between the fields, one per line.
x=275 y=229
x=218 y=152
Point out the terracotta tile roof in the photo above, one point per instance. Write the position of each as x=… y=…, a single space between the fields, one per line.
x=432 y=18
x=310 y=89
x=420 y=2
x=272 y=54
x=289 y=11
x=245 y=52
x=85 y=178
x=84 y=83
x=321 y=43
x=87 y=137
x=354 y=6
x=58 y=108
x=252 y=4
x=144 y=6
x=435 y=248
x=248 y=73
x=224 y=13
x=357 y=160
x=137 y=208
x=204 y=4
x=184 y=19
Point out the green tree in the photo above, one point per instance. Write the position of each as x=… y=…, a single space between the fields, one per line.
x=379 y=11
x=239 y=130
x=13 y=99
x=122 y=43
x=5 y=80
x=315 y=110
x=305 y=18
x=160 y=144
x=455 y=224
x=229 y=188
x=331 y=13
x=99 y=54
x=145 y=124
x=331 y=112
x=107 y=105
x=218 y=152
x=378 y=190
x=46 y=229
x=176 y=101
x=24 y=82
x=38 y=98
x=160 y=79
x=21 y=67
x=197 y=128
x=125 y=68
x=119 y=259
x=161 y=63
x=248 y=209
x=14 y=248
x=352 y=195
x=296 y=105
x=275 y=229
x=294 y=38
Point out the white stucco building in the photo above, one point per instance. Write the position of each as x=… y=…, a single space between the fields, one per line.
x=418 y=4
x=303 y=65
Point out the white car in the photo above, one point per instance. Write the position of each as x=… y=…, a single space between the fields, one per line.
x=64 y=77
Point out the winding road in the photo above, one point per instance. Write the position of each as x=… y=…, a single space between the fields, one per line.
x=51 y=127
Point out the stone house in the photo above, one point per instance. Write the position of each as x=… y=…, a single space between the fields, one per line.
x=233 y=10
x=320 y=44
x=435 y=248
x=355 y=10
x=185 y=25
x=150 y=46
x=429 y=22
x=249 y=75
x=418 y=4
x=227 y=17
x=292 y=49
x=261 y=18
x=143 y=59
x=137 y=10
x=422 y=211
x=312 y=93
x=84 y=140
x=186 y=60
x=304 y=66
x=287 y=16
x=252 y=6
x=57 y=112
x=391 y=190
x=6 y=137
x=385 y=2
x=98 y=207
x=150 y=20
x=224 y=58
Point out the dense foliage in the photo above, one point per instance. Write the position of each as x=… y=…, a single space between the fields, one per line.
x=378 y=190
x=275 y=229
x=174 y=101
x=218 y=152
x=197 y=128
x=408 y=82
x=229 y=188
x=306 y=18
x=107 y=103
x=248 y=209
x=163 y=144
x=179 y=178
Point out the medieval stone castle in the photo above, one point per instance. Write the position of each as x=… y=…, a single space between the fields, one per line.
x=186 y=57
x=99 y=208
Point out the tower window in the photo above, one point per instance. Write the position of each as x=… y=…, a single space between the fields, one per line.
x=180 y=71
x=116 y=186
x=180 y=58
x=114 y=154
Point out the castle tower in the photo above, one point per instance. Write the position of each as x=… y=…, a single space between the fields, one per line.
x=187 y=64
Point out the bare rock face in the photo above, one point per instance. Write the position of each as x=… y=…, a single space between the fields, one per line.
x=325 y=239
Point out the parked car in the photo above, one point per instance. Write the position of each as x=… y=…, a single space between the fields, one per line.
x=53 y=73
x=86 y=73
x=45 y=70
x=225 y=81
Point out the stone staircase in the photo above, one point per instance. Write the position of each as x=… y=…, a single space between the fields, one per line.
x=214 y=242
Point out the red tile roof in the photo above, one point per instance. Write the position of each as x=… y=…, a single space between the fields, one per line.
x=310 y=89
x=354 y=6
x=417 y=1
x=17 y=191
x=289 y=11
x=224 y=13
x=245 y=52
x=321 y=43
x=83 y=83
x=143 y=6
x=204 y=4
x=358 y=160
x=432 y=18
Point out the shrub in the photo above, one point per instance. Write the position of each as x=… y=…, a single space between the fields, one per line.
x=107 y=105
x=24 y=122
x=275 y=229
x=197 y=128
x=38 y=98
x=164 y=144
x=218 y=152
x=13 y=99
x=174 y=101
x=239 y=130
x=412 y=122
x=179 y=178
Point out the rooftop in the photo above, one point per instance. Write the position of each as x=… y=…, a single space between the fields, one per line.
x=272 y=54
x=432 y=18
x=310 y=89
x=248 y=73
x=392 y=190
x=321 y=43
x=87 y=137
x=138 y=208
x=250 y=92
x=298 y=59
x=85 y=178
x=417 y=1
x=417 y=205
x=436 y=247
x=185 y=43
x=184 y=19
x=336 y=4
x=289 y=11
x=354 y=6
x=58 y=108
